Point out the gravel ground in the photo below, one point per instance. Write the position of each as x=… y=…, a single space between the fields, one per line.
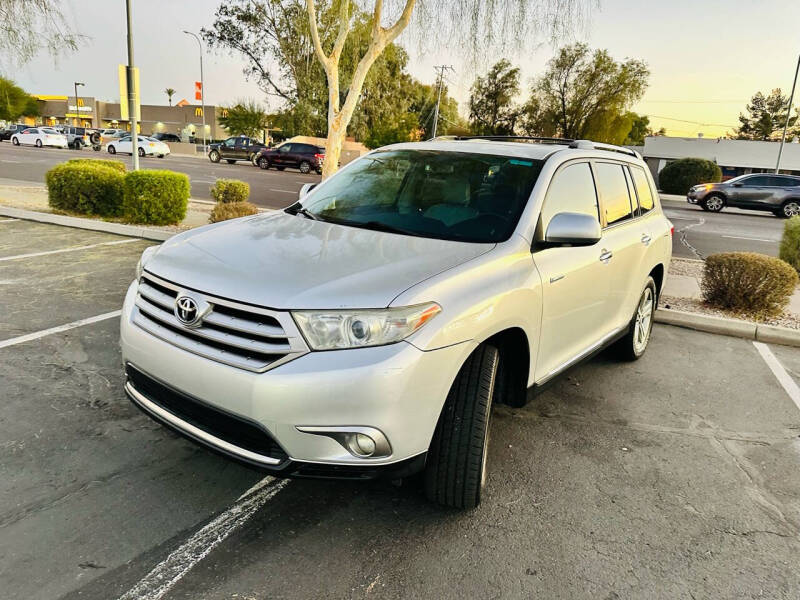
x=687 y=266
x=786 y=319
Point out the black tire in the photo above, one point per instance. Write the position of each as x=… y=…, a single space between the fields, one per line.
x=713 y=203
x=38 y=143
x=76 y=145
x=252 y=159
x=280 y=168
x=628 y=347
x=319 y=171
x=789 y=209
x=455 y=470
x=140 y=151
x=112 y=150
x=213 y=156
x=263 y=163
x=15 y=142
x=305 y=167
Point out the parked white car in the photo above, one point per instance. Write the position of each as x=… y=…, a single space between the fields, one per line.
x=39 y=136
x=146 y=146
x=369 y=328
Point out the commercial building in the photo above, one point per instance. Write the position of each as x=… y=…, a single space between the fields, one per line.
x=734 y=157
x=185 y=121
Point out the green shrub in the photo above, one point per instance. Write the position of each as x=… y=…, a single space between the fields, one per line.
x=155 y=197
x=751 y=283
x=85 y=188
x=230 y=190
x=790 y=243
x=111 y=164
x=678 y=176
x=231 y=210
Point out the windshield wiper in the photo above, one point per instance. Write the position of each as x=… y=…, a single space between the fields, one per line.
x=299 y=209
x=378 y=226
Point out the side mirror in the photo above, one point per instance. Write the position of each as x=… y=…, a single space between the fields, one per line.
x=307 y=187
x=737 y=185
x=573 y=229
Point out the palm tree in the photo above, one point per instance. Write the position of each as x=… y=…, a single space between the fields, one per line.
x=169 y=92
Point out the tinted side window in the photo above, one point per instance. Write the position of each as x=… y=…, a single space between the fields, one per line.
x=643 y=191
x=572 y=190
x=613 y=190
x=756 y=181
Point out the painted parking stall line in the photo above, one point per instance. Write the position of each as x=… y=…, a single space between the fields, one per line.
x=780 y=373
x=8 y=220
x=752 y=239
x=71 y=249
x=58 y=329
x=172 y=569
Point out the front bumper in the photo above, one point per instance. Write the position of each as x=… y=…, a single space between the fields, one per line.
x=397 y=389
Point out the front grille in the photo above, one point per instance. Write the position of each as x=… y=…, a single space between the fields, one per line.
x=236 y=334
x=222 y=425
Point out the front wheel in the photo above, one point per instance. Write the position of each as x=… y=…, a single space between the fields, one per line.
x=789 y=209
x=714 y=203
x=633 y=345
x=15 y=142
x=253 y=159
x=140 y=151
x=112 y=150
x=455 y=470
x=213 y=156
x=263 y=163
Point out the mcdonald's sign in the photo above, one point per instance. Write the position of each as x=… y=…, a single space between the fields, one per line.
x=198 y=112
x=80 y=101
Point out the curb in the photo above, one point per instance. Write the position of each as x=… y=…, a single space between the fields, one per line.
x=90 y=224
x=770 y=334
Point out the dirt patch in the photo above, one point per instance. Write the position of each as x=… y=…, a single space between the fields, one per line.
x=785 y=319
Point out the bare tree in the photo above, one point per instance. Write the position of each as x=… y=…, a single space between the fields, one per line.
x=463 y=23
x=30 y=26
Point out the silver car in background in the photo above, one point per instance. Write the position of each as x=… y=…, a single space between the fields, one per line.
x=368 y=329
x=778 y=194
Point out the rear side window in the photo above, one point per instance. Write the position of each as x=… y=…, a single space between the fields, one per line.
x=572 y=190
x=613 y=191
x=643 y=191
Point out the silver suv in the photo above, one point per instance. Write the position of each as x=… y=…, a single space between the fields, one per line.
x=778 y=194
x=368 y=329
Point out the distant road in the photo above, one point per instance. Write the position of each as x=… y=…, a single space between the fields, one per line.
x=270 y=189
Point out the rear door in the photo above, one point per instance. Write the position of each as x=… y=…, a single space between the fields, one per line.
x=575 y=281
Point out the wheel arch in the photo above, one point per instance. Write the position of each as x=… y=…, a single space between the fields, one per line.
x=514 y=366
x=657 y=273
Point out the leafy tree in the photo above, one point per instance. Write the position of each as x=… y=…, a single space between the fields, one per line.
x=492 y=109
x=586 y=94
x=15 y=102
x=170 y=93
x=246 y=117
x=765 y=118
x=29 y=26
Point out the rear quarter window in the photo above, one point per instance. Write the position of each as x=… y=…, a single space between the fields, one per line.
x=613 y=190
x=643 y=191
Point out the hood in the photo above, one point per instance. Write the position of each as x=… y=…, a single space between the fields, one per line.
x=286 y=261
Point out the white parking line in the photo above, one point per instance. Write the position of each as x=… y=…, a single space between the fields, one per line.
x=8 y=220
x=283 y=191
x=45 y=332
x=780 y=373
x=172 y=569
x=753 y=239
x=72 y=249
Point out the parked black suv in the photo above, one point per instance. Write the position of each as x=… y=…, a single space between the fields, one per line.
x=235 y=148
x=166 y=137
x=7 y=132
x=292 y=154
x=778 y=194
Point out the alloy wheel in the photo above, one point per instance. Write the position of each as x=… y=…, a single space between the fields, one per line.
x=714 y=203
x=644 y=321
x=791 y=209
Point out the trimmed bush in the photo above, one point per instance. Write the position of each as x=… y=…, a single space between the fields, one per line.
x=679 y=175
x=230 y=190
x=85 y=188
x=231 y=210
x=790 y=243
x=111 y=164
x=155 y=197
x=751 y=283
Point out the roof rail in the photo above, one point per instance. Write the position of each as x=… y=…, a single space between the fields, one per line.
x=589 y=144
x=511 y=138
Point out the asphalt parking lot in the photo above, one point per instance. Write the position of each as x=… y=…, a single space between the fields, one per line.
x=673 y=477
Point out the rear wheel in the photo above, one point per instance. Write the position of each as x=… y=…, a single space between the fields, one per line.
x=789 y=209
x=305 y=166
x=455 y=470
x=634 y=344
x=213 y=156
x=38 y=143
x=713 y=203
x=76 y=145
x=263 y=163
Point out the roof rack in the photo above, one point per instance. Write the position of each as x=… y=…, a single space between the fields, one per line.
x=590 y=145
x=509 y=138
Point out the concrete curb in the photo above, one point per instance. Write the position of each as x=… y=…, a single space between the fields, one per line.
x=733 y=327
x=90 y=224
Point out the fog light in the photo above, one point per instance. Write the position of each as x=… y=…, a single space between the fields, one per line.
x=365 y=445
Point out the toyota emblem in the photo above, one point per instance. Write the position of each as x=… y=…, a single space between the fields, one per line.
x=187 y=311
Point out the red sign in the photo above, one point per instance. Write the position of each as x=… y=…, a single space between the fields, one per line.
x=198 y=90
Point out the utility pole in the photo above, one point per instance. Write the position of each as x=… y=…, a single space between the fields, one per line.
x=132 y=94
x=440 y=69
x=202 y=87
x=788 y=116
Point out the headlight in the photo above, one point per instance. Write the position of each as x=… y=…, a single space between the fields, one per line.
x=146 y=256
x=331 y=330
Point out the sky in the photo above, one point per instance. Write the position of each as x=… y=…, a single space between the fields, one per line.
x=706 y=57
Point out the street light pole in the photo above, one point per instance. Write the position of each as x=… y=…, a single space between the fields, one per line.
x=788 y=116
x=77 y=105
x=202 y=86
x=132 y=94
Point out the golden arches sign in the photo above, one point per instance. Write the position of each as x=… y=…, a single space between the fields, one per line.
x=80 y=101
x=198 y=112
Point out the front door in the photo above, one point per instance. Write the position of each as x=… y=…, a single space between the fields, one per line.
x=282 y=156
x=575 y=280
x=751 y=192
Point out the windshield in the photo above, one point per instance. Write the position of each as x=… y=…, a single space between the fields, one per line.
x=444 y=195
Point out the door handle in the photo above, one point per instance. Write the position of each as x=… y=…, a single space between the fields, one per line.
x=646 y=239
x=555 y=278
x=606 y=255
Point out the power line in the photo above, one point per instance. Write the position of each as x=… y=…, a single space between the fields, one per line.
x=692 y=122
